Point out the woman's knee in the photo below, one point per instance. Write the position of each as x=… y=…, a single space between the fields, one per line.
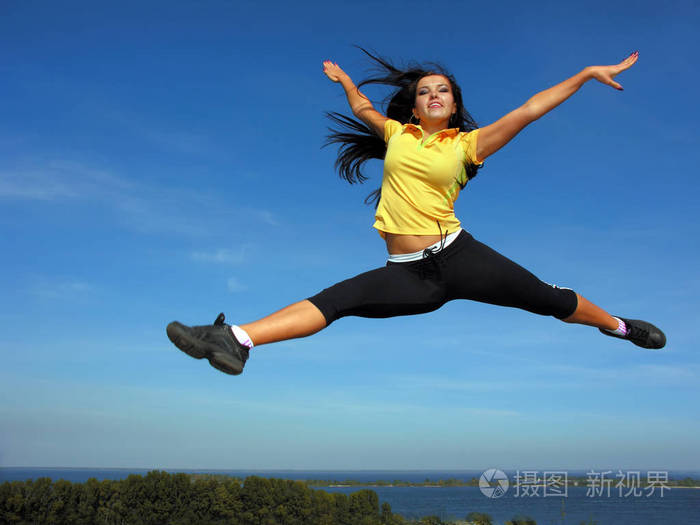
x=566 y=304
x=385 y=292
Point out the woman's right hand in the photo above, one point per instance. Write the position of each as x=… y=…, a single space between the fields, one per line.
x=333 y=71
x=606 y=74
x=361 y=106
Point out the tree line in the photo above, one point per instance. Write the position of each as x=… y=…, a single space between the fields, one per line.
x=178 y=499
x=161 y=498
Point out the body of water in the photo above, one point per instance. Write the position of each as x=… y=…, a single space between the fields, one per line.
x=677 y=506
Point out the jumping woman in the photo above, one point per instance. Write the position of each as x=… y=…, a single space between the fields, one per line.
x=431 y=148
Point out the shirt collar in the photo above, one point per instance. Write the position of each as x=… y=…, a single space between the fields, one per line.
x=417 y=130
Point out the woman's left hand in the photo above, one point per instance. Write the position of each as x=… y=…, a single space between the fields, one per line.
x=333 y=70
x=606 y=74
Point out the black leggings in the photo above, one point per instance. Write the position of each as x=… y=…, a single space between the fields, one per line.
x=466 y=269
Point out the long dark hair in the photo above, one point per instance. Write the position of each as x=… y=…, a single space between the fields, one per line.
x=359 y=143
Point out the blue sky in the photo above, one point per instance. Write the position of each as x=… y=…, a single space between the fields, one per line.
x=162 y=160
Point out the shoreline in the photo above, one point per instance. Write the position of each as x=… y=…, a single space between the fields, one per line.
x=415 y=485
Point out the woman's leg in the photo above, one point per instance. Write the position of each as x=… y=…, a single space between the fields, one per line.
x=222 y=345
x=589 y=314
x=479 y=273
x=296 y=320
x=396 y=289
x=303 y=319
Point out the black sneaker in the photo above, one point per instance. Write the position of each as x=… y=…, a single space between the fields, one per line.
x=641 y=333
x=215 y=342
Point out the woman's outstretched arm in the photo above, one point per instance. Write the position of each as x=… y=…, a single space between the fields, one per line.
x=361 y=106
x=493 y=137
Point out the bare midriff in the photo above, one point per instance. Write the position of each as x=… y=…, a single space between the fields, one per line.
x=398 y=243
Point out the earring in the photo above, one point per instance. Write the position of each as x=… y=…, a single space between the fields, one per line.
x=410 y=121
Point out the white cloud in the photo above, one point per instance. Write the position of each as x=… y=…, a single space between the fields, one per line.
x=221 y=256
x=558 y=377
x=267 y=217
x=142 y=207
x=444 y=383
x=669 y=373
x=60 y=289
x=60 y=179
x=633 y=375
x=33 y=186
x=168 y=139
x=234 y=285
x=259 y=215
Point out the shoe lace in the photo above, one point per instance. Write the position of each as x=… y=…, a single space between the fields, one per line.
x=244 y=350
x=205 y=333
x=637 y=333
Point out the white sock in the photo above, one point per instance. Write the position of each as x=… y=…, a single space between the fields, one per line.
x=621 y=328
x=242 y=336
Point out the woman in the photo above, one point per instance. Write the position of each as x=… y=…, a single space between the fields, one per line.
x=431 y=148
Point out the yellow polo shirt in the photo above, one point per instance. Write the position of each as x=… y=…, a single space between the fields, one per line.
x=422 y=178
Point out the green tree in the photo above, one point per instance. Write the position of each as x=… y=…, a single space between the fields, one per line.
x=111 y=510
x=37 y=500
x=364 y=504
x=160 y=498
x=63 y=506
x=342 y=509
x=479 y=518
x=227 y=504
x=295 y=496
x=12 y=501
x=202 y=497
x=133 y=498
x=521 y=520
x=431 y=520
x=322 y=508
x=386 y=514
x=257 y=501
x=689 y=482
x=88 y=497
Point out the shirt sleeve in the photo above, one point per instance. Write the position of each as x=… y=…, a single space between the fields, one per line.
x=468 y=143
x=391 y=128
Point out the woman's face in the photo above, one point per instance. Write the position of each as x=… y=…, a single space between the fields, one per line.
x=434 y=100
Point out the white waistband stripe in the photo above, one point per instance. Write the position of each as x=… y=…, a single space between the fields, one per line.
x=417 y=256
